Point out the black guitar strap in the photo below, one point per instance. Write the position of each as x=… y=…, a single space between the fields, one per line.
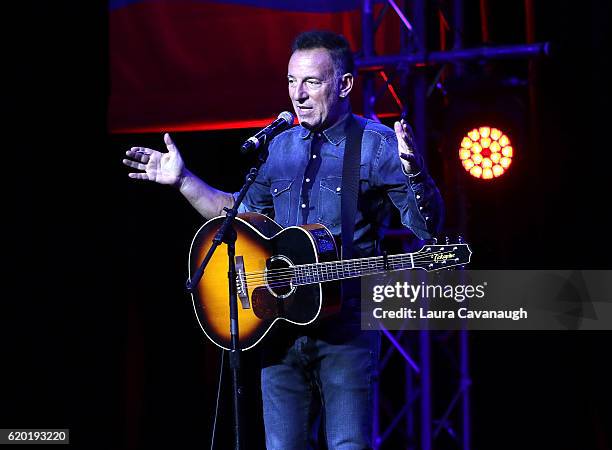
x=350 y=183
x=350 y=194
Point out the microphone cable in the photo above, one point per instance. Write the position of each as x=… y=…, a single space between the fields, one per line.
x=214 y=427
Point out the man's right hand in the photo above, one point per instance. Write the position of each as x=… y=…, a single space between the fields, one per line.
x=163 y=168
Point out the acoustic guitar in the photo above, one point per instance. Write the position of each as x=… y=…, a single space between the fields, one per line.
x=289 y=274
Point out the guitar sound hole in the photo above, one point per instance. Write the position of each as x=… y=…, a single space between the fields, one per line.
x=279 y=274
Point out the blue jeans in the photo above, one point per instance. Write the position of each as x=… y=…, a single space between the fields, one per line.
x=314 y=378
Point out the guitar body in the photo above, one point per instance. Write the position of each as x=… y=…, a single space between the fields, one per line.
x=265 y=256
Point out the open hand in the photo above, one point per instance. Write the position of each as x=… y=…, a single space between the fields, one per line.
x=163 y=168
x=411 y=162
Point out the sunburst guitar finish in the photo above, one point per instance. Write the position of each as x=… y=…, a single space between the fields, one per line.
x=270 y=288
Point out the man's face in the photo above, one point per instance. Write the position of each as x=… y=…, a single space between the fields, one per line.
x=314 y=88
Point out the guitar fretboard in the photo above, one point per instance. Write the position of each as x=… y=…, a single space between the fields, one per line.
x=429 y=258
x=340 y=270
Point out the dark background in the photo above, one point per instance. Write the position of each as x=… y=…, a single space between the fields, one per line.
x=97 y=333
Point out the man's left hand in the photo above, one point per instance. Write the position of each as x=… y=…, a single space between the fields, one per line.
x=410 y=161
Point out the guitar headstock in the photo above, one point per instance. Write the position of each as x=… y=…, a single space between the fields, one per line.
x=435 y=256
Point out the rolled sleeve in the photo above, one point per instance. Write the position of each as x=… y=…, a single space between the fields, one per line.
x=416 y=196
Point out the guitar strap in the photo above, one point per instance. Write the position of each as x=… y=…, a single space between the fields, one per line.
x=350 y=190
x=350 y=183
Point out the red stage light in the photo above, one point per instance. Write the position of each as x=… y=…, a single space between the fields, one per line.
x=485 y=152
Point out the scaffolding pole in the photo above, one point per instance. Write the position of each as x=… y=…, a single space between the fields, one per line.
x=418 y=371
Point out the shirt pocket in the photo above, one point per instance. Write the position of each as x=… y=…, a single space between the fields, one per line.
x=281 y=197
x=330 y=200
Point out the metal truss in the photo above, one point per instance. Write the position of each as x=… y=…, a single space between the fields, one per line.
x=412 y=420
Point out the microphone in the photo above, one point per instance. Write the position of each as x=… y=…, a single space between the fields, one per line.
x=284 y=121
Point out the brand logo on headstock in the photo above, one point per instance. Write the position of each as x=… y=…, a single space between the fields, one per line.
x=443 y=257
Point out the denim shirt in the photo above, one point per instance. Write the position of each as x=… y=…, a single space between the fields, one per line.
x=301 y=182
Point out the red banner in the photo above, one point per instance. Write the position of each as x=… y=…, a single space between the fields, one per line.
x=186 y=65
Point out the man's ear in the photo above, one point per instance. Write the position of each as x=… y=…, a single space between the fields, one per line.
x=346 y=85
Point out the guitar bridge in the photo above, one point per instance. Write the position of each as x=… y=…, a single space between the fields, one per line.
x=241 y=284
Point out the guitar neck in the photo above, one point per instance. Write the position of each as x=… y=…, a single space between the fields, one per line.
x=430 y=257
x=351 y=268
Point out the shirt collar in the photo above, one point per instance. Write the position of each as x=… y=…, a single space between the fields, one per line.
x=335 y=134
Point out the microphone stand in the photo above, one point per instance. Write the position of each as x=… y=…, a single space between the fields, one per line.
x=227 y=234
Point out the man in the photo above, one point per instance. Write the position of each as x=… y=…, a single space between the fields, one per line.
x=327 y=368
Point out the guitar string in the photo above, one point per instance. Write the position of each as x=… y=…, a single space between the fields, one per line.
x=361 y=263
x=303 y=272
x=289 y=275
x=288 y=281
x=392 y=258
x=292 y=280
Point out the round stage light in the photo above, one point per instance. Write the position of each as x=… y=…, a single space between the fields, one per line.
x=486 y=152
